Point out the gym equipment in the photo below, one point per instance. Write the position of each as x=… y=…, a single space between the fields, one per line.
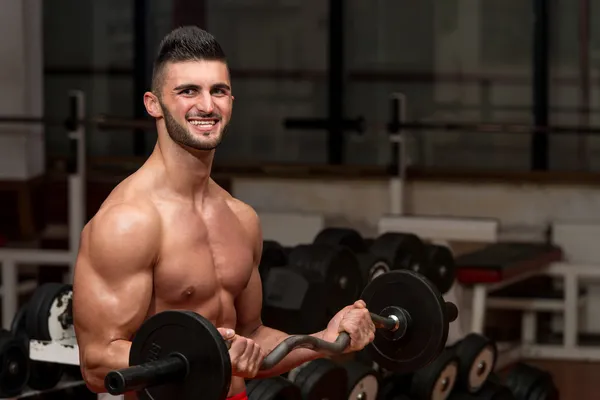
x=435 y=381
x=362 y=381
x=180 y=353
x=339 y=268
x=42 y=375
x=502 y=261
x=423 y=317
x=322 y=379
x=293 y=300
x=370 y=264
x=49 y=314
x=527 y=382
x=489 y=391
x=275 y=388
x=273 y=255
x=400 y=250
x=342 y=237
x=439 y=266
x=477 y=357
x=393 y=386
x=14 y=373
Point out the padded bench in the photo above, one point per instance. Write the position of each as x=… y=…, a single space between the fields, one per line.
x=499 y=266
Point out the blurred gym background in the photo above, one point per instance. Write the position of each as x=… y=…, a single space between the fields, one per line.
x=499 y=100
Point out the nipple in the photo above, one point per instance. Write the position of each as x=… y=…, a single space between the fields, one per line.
x=188 y=291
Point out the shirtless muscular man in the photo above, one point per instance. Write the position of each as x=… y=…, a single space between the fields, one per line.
x=168 y=237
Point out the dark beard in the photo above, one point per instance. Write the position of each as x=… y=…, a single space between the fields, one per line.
x=180 y=134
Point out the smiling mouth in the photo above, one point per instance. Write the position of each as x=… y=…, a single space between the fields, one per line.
x=203 y=124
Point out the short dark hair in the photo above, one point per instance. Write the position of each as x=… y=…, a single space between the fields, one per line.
x=186 y=43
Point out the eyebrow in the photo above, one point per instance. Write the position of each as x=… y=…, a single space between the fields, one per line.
x=197 y=87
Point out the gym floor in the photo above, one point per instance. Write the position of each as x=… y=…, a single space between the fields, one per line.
x=575 y=380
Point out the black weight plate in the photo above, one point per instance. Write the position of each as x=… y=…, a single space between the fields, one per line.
x=339 y=268
x=322 y=379
x=440 y=268
x=363 y=382
x=14 y=365
x=523 y=380
x=342 y=237
x=196 y=338
x=428 y=329
x=545 y=391
x=476 y=359
x=275 y=388
x=371 y=266
x=42 y=375
x=19 y=322
x=401 y=250
x=489 y=391
x=394 y=386
x=48 y=304
x=293 y=300
x=273 y=255
x=436 y=380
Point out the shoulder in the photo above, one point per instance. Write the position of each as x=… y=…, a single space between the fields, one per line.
x=245 y=213
x=123 y=227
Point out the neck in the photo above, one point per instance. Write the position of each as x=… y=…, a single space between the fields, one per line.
x=186 y=171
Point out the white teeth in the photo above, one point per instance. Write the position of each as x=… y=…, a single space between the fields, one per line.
x=203 y=123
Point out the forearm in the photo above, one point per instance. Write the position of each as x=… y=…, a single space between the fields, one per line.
x=268 y=338
x=98 y=361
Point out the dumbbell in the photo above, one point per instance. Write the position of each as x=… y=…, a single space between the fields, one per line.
x=48 y=317
x=370 y=264
x=392 y=251
x=491 y=390
x=477 y=356
x=322 y=378
x=275 y=388
x=527 y=382
x=180 y=353
x=434 y=381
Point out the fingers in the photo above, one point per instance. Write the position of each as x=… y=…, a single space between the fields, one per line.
x=359 y=325
x=227 y=333
x=360 y=304
x=246 y=357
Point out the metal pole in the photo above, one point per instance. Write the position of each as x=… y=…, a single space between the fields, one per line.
x=540 y=141
x=398 y=162
x=335 y=133
x=77 y=173
x=584 y=75
x=140 y=68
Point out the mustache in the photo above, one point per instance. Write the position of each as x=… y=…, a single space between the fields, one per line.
x=205 y=115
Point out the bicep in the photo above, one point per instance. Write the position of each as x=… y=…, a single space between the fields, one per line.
x=113 y=279
x=249 y=306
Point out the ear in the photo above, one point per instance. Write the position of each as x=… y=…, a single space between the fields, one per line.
x=152 y=105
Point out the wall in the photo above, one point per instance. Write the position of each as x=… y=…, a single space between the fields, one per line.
x=360 y=204
x=21 y=147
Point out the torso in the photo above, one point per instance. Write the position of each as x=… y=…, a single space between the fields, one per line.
x=205 y=259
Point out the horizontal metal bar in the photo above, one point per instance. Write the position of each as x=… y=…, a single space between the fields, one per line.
x=354 y=125
x=25 y=256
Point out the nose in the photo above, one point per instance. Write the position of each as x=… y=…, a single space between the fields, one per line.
x=205 y=103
